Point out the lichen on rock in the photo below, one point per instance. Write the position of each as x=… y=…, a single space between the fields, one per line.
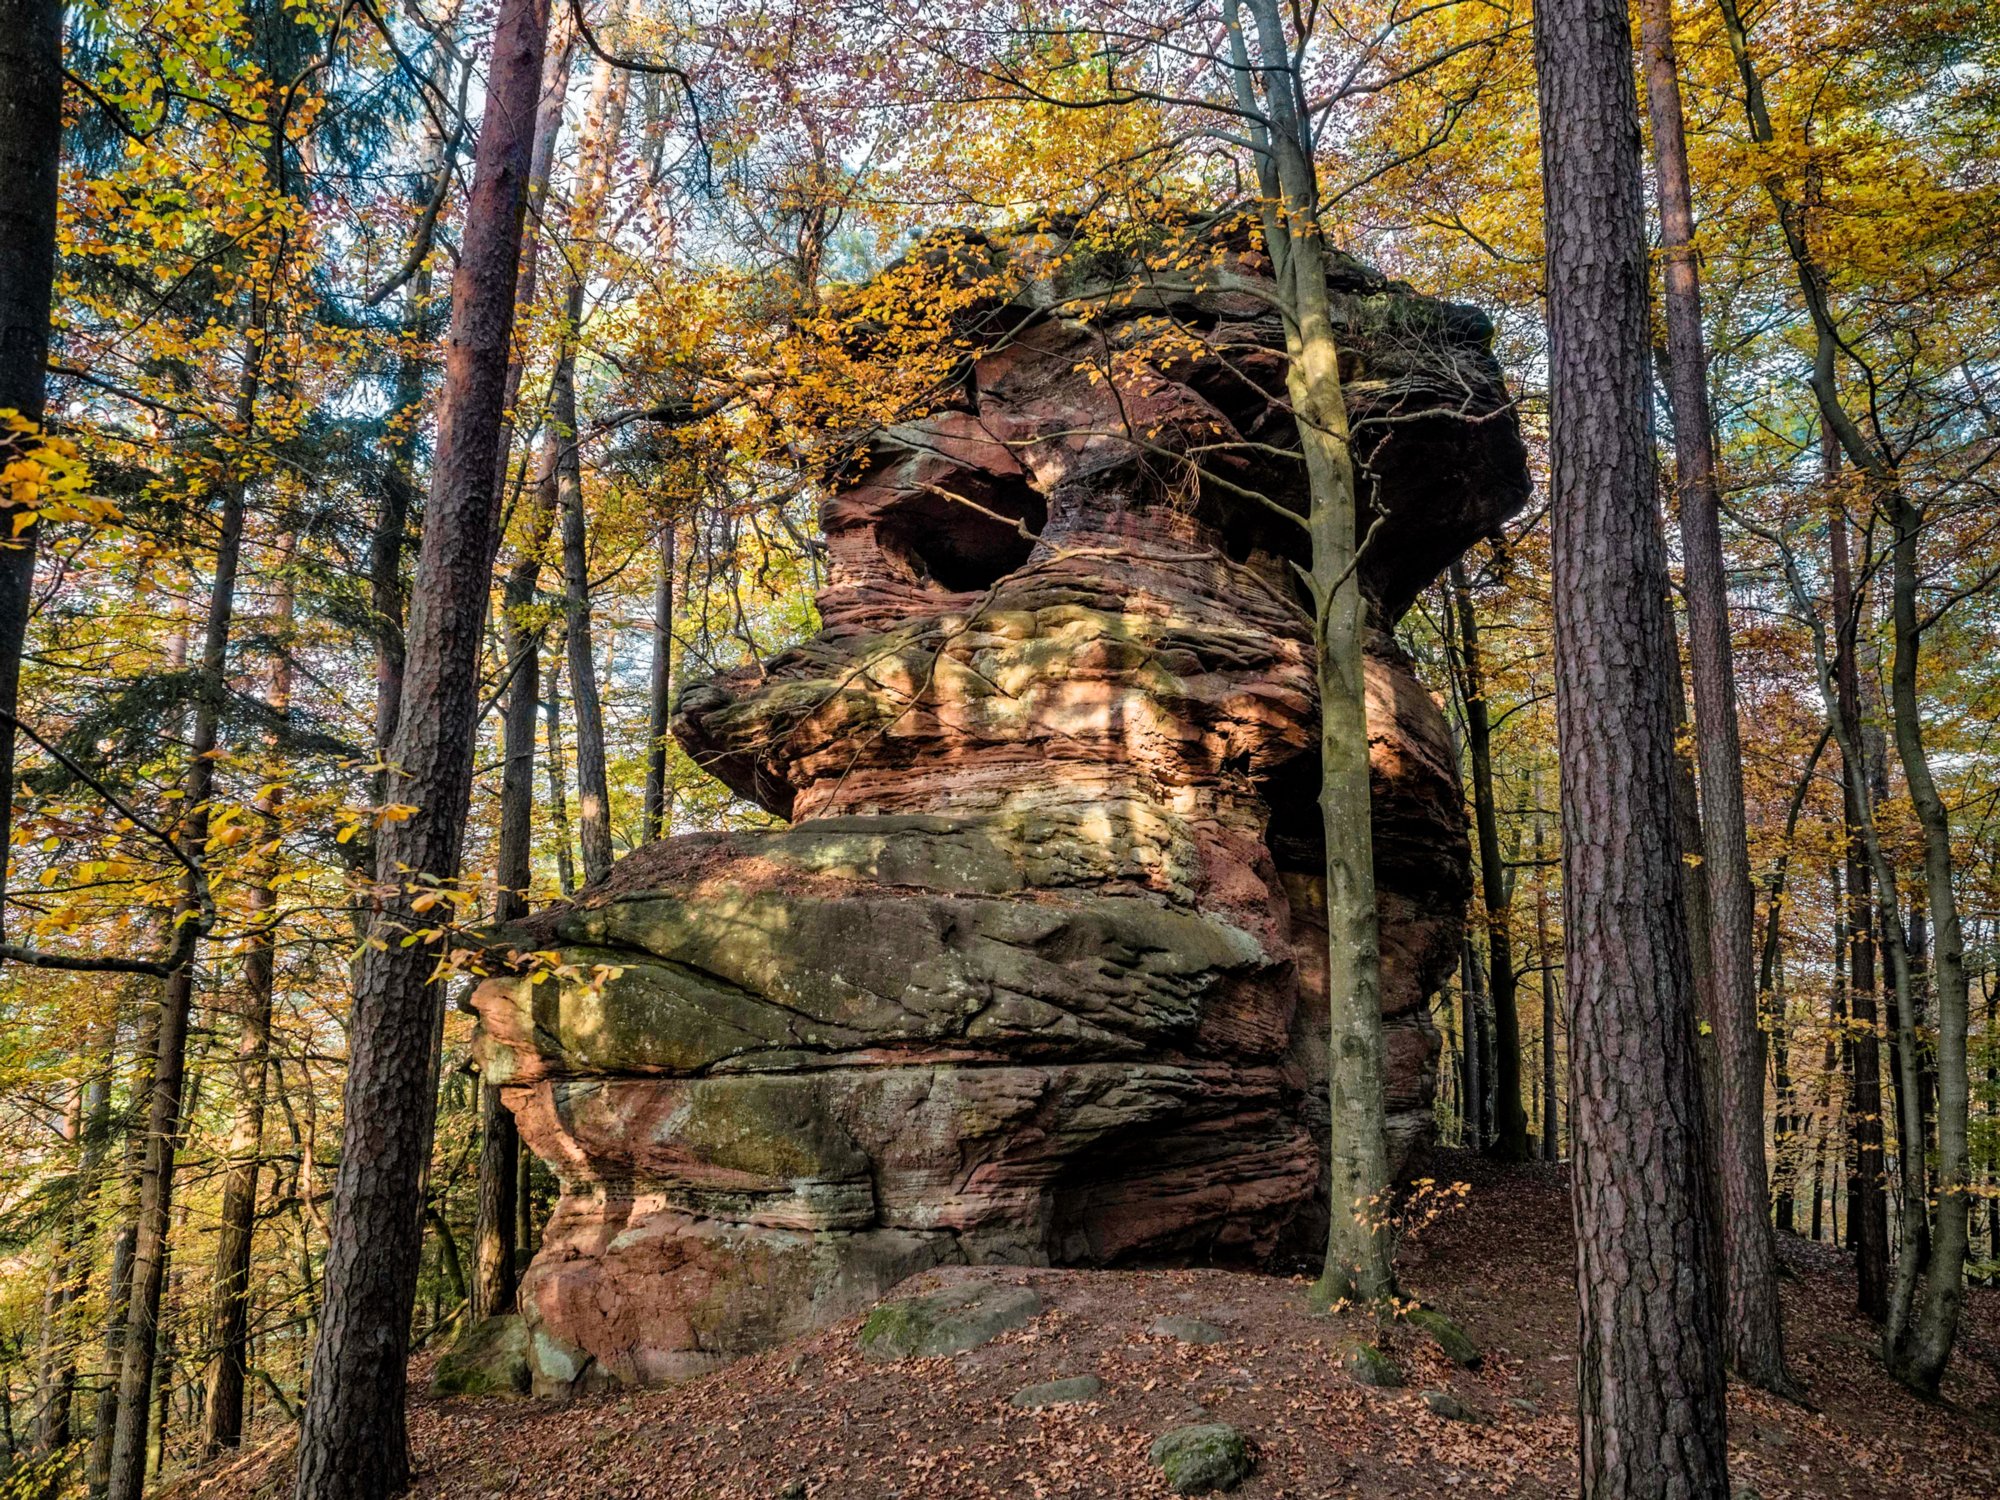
x=1036 y=974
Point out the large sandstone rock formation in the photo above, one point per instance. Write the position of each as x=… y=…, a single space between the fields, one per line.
x=1034 y=975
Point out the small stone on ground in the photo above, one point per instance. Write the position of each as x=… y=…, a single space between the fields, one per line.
x=1187 y=1330
x=1455 y=1343
x=1445 y=1404
x=946 y=1322
x=1367 y=1365
x=1209 y=1456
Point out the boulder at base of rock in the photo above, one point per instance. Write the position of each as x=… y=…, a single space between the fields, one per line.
x=1209 y=1456
x=946 y=1322
x=1187 y=1330
x=489 y=1359
x=1057 y=1392
x=1367 y=1365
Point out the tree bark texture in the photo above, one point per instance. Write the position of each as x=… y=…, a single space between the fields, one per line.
x=1650 y=1380
x=493 y=1232
x=31 y=90
x=353 y=1441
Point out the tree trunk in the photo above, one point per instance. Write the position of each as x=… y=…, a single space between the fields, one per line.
x=1791 y=1123
x=593 y=788
x=1752 y=1321
x=127 y=1475
x=603 y=121
x=660 y=697
x=1867 y=1191
x=229 y=1337
x=55 y=1362
x=1358 y=1262
x=1650 y=1377
x=1926 y=1349
x=1510 y=1121
x=1482 y=1043
x=493 y=1232
x=31 y=90
x=1551 y=1124
x=353 y=1444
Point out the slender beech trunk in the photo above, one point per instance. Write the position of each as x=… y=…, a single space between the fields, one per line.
x=1993 y=1117
x=1770 y=998
x=229 y=1334
x=31 y=93
x=1784 y=1174
x=1917 y=1356
x=1926 y=1347
x=1510 y=1121
x=127 y=1473
x=1551 y=1123
x=1358 y=1264
x=660 y=698
x=603 y=122
x=1471 y=1121
x=92 y=1146
x=55 y=1361
x=353 y=1441
x=1862 y=813
x=593 y=788
x=1752 y=1321
x=558 y=780
x=1650 y=1377
x=1867 y=1190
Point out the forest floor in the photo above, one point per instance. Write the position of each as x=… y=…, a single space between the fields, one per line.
x=814 y=1418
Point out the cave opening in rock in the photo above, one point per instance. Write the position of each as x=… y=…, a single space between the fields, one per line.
x=964 y=540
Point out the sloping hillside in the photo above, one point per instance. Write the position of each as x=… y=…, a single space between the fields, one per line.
x=817 y=1419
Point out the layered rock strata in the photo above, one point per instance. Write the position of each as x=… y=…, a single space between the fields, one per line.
x=1035 y=974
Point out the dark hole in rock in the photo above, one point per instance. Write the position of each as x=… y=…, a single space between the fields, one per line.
x=964 y=543
x=1297 y=838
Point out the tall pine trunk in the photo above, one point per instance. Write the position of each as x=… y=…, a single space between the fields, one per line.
x=353 y=1442
x=1650 y=1379
x=1752 y=1322
x=495 y=1243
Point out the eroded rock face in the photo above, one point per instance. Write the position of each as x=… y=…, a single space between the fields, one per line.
x=1035 y=976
